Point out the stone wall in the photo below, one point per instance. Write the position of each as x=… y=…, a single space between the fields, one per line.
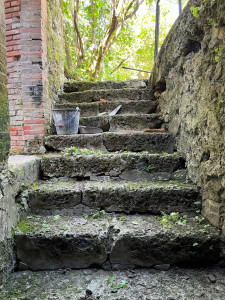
x=22 y=171
x=55 y=47
x=4 y=113
x=189 y=81
x=31 y=79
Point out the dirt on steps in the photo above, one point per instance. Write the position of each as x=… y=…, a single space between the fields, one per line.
x=94 y=284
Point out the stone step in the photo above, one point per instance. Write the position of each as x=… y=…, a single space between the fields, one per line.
x=125 y=166
x=117 y=242
x=125 y=122
x=74 y=197
x=74 y=86
x=128 y=107
x=152 y=284
x=115 y=141
x=108 y=95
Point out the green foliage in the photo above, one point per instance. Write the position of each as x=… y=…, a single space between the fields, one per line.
x=173 y=218
x=114 y=285
x=133 y=47
x=195 y=10
x=98 y=214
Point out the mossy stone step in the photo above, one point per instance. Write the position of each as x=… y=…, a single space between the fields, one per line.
x=123 y=122
x=126 y=197
x=115 y=141
x=126 y=166
x=56 y=242
x=176 y=283
x=107 y=94
x=128 y=107
x=74 y=86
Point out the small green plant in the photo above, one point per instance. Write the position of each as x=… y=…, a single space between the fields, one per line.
x=195 y=11
x=45 y=225
x=123 y=218
x=74 y=151
x=173 y=218
x=149 y=169
x=114 y=285
x=218 y=52
x=35 y=187
x=98 y=214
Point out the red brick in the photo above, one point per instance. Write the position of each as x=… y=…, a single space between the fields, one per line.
x=12 y=15
x=14 y=53
x=13 y=133
x=12 y=9
x=13 y=128
x=34 y=121
x=15 y=3
x=38 y=132
x=7 y=5
x=16 y=138
x=13 y=43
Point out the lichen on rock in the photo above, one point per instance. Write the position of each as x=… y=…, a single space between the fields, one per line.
x=189 y=81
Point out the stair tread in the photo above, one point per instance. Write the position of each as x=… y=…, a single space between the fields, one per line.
x=124 y=122
x=109 y=84
x=128 y=106
x=135 y=240
x=55 y=185
x=127 y=140
x=107 y=94
x=135 y=224
x=71 y=197
x=74 y=284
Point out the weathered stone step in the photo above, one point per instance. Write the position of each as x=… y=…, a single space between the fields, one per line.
x=56 y=242
x=125 y=166
x=115 y=141
x=125 y=122
x=104 y=85
x=108 y=95
x=128 y=107
x=126 y=197
x=187 y=284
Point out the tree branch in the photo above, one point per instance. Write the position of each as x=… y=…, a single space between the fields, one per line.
x=80 y=45
x=138 y=4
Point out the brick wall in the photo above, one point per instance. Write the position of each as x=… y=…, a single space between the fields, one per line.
x=33 y=83
x=4 y=114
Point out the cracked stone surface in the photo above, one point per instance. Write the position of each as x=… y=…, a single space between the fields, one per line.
x=113 y=241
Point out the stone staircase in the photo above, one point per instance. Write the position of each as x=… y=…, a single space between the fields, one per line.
x=123 y=202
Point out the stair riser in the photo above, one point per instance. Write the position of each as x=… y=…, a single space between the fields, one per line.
x=95 y=108
x=103 y=85
x=126 y=251
x=74 y=252
x=124 y=200
x=124 y=122
x=152 y=143
x=126 y=167
x=109 y=95
x=146 y=251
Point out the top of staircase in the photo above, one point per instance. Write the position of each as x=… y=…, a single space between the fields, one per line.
x=75 y=86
